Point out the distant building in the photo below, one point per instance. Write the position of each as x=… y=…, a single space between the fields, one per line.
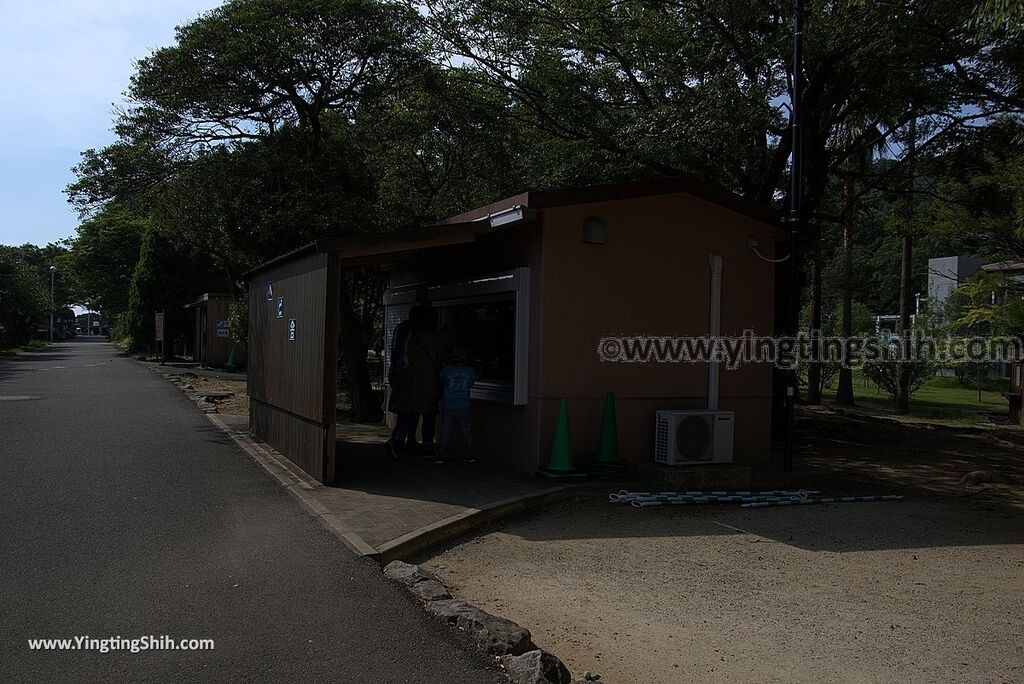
x=1011 y=269
x=91 y=323
x=946 y=273
x=213 y=344
x=886 y=325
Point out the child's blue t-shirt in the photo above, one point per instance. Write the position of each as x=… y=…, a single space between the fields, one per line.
x=456 y=381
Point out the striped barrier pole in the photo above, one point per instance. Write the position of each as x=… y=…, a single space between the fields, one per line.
x=626 y=497
x=771 y=492
x=834 y=499
x=683 y=501
x=660 y=497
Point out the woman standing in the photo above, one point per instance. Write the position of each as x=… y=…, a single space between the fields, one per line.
x=415 y=384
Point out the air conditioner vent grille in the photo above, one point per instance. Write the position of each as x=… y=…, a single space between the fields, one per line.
x=693 y=438
x=703 y=436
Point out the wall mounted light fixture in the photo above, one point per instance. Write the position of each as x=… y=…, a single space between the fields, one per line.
x=594 y=231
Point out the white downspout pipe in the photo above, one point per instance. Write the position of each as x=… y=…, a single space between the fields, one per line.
x=714 y=326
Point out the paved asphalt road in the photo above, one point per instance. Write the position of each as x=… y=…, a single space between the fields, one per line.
x=125 y=512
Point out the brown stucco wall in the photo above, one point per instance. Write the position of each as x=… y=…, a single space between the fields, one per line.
x=650 y=278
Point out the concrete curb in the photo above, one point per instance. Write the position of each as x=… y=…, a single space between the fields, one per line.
x=452 y=526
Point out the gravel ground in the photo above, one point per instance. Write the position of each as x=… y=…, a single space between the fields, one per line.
x=925 y=589
x=902 y=591
x=237 y=404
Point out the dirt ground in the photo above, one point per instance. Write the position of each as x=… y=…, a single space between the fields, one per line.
x=236 y=404
x=924 y=589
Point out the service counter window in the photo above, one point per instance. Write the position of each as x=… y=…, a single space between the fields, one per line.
x=489 y=317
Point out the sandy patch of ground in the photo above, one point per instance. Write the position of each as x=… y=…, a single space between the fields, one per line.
x=903 y=591
x=925 y=589
x=237 y=404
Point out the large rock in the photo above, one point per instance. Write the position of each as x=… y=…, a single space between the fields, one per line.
x=495 y=635
x=430 y=590
x=406 y=573
x=206 y=406
x=536 y=667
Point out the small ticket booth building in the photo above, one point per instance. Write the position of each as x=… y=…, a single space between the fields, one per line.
x=212 y=341
x=530 y=286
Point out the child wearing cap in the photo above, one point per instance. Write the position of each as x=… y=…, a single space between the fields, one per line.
x=456 y=379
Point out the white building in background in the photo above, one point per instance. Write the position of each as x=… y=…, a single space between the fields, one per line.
x=946 y=273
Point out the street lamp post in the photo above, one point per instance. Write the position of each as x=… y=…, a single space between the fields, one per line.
x=53 y=274
x=793 y=219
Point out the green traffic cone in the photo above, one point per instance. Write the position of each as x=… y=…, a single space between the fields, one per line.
x=561 y=448
x=230 y=365
x=560 y=465
x=606 y=464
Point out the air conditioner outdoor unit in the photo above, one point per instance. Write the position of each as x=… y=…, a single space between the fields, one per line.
x=691 y=437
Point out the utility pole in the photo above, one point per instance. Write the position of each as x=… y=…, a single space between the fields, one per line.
x=53 y=274
x=793 y=219
x=906 y=259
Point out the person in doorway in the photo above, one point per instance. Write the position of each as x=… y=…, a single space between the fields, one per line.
x=413 y=375
x=429 y=419
x=405 y=422
x=457 y=377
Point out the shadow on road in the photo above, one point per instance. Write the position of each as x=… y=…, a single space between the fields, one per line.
x=56 y=353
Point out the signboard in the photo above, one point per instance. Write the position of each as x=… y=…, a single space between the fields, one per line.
x=270 y=290
x=280 y=307
x=158 y=325
x=291 y=329
x=223 y=329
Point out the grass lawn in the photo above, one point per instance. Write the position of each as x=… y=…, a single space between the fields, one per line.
x=14 y=351
x=940 y=398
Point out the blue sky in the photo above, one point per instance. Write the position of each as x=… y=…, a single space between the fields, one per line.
x=63 y=63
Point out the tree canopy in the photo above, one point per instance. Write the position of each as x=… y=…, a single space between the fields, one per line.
x=269 y=123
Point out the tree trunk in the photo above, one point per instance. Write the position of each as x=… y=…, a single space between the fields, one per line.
x=365 y=407
x=814 y=369
x=844 y=390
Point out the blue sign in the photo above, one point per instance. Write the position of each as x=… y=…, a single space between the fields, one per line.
x=291 y=329
x=270 y=290
x=280 y=307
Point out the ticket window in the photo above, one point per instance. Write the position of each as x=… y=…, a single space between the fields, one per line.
x=489 y=317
